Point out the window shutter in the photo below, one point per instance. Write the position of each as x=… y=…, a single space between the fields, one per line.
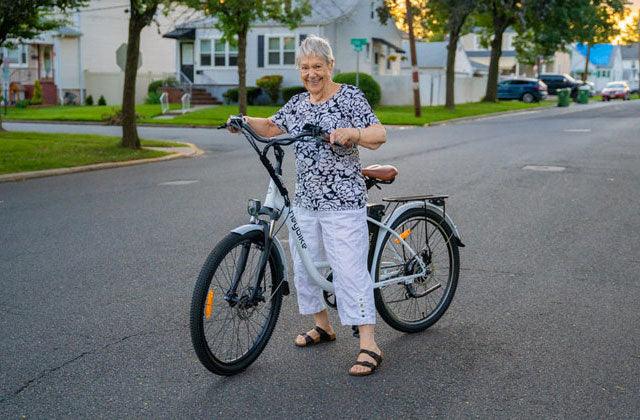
x=260 y=50
x=302 y=38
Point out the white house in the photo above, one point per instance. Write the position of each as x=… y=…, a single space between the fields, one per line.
x=630 y=64
x=202 y=58
x=605 y=63
x=80 y=59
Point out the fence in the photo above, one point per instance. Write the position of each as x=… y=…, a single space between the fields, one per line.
x=398 y=90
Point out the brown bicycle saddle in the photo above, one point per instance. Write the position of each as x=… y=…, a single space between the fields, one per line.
x=380 y=172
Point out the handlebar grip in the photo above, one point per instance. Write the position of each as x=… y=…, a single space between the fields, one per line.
x=221 y=126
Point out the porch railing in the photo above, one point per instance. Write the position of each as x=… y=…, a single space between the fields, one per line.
x=28 y=75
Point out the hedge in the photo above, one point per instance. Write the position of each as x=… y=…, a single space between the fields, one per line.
x=369 y=86
x=290 y=92
x=252 y=93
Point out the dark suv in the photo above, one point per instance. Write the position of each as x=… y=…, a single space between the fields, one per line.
x=526 y=90
x=555 y=81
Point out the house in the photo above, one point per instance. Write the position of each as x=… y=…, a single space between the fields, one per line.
x=605 y=63
x=509 y=65
x=81 y=59
x=202 y=58
x=630 y=64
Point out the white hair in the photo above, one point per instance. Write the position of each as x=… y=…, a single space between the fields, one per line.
x=314 y=45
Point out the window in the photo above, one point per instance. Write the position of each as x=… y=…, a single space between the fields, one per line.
x=220 y=51
x=281 y=50
x=233 y=53
x=16 y=56
x=373 y=10
x=205 y=52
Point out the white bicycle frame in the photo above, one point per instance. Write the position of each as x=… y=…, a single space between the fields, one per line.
x=275 y=201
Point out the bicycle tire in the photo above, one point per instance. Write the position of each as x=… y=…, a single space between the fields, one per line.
x=212 y=284
x=388 y=298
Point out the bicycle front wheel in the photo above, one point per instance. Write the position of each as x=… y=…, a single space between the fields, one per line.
x=229 y=329
x=419 y=304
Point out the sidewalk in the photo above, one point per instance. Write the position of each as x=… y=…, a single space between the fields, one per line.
x=190 y=150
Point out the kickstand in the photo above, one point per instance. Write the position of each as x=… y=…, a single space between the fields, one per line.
x=356 y=331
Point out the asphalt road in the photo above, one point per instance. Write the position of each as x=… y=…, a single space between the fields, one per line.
x=97 y=271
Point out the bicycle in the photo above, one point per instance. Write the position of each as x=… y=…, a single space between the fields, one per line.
x=413 y=260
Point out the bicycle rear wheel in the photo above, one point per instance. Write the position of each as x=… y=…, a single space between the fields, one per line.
x=228 y=330
x=416 y=306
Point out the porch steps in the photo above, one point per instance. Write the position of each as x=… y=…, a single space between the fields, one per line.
x=200 y=96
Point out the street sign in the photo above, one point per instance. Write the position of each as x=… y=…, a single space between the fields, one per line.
x=358 y=43
x=121 y=57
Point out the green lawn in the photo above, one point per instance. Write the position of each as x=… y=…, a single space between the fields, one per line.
x=77 y=113
x=402 y=115
x=25 y=151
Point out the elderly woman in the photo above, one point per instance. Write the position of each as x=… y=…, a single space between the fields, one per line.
x=330 y=197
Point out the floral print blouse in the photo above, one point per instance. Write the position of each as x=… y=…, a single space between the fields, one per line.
x=327 y=178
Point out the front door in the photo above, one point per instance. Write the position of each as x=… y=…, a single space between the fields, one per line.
x=186 y=59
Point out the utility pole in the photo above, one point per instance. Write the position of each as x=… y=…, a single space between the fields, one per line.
x=414 y=62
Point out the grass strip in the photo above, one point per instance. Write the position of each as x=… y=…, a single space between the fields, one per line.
x=78 y=113
x=28 y=151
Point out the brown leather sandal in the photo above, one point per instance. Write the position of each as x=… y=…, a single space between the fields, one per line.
x=375 y=356
x=323 y=337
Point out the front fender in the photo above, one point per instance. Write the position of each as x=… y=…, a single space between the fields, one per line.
x=280 y=254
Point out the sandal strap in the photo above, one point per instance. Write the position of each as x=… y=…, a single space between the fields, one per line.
x=308 y=339
x=374 y=356
x=366 y=364
x=324 y=336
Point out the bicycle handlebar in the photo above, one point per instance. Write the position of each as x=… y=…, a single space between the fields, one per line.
x=309 y=130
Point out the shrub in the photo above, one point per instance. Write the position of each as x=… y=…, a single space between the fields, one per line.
x=115 y=118
x=153 y=86
x=102 y=101
x=252 y=93
x=23 y=103
x=37 y=93
x=369 y=86
x=289 y=92
x=89 y=100
x=271 y=85
x=153 y=98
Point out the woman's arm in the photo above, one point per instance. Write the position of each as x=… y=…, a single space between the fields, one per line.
x=370 y=137
x=264 y=127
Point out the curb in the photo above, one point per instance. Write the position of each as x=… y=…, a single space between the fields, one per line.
x=178 y=152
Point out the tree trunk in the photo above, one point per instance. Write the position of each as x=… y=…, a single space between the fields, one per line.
x=129 y=130
x=491 y=94
x=1 y=128
x=242 y=71
x=451 y=63
x=414 y=63
x=586 y=64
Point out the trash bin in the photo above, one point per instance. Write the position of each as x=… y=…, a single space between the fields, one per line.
x=583 y=94
x=563 y=96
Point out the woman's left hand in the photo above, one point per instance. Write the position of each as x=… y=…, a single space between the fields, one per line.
x=345 y=136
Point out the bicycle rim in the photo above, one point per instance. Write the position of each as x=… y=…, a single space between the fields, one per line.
x=416 y=306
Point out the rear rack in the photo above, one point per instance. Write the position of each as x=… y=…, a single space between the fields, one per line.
x=437 y=199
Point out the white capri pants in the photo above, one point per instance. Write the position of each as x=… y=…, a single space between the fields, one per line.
x=342 y=239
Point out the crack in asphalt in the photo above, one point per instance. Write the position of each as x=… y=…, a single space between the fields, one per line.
x=47 y=372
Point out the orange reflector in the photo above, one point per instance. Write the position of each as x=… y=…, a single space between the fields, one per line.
x=207 y=311
x=404 y=235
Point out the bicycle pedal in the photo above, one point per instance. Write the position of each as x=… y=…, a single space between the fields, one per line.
x=356 y=331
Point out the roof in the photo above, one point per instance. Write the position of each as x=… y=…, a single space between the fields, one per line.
x=430 y=54
x=322 y=13
x=477 y=66
x=385 y=42
x=487 y=53
x=67 y=31
x=181 y=33
x=600 y=54
x=629 y=52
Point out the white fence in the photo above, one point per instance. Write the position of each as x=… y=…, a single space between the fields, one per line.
x=398 y=90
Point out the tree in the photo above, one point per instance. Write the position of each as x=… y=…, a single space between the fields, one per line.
x=26 y=19
x=596 y=22
x=630 y=30
x=455 y=14
x=499 y=15
x=141 y=14
x=234 y=19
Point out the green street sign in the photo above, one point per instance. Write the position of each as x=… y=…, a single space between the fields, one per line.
x=358 y=43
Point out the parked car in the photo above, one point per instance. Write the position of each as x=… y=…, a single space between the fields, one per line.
x=526 y=90
x=616 y=90
x=555 y=81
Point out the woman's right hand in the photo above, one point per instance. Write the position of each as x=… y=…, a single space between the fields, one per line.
x=232 y=129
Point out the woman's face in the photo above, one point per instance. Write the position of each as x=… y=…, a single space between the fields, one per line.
x=315 y=73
